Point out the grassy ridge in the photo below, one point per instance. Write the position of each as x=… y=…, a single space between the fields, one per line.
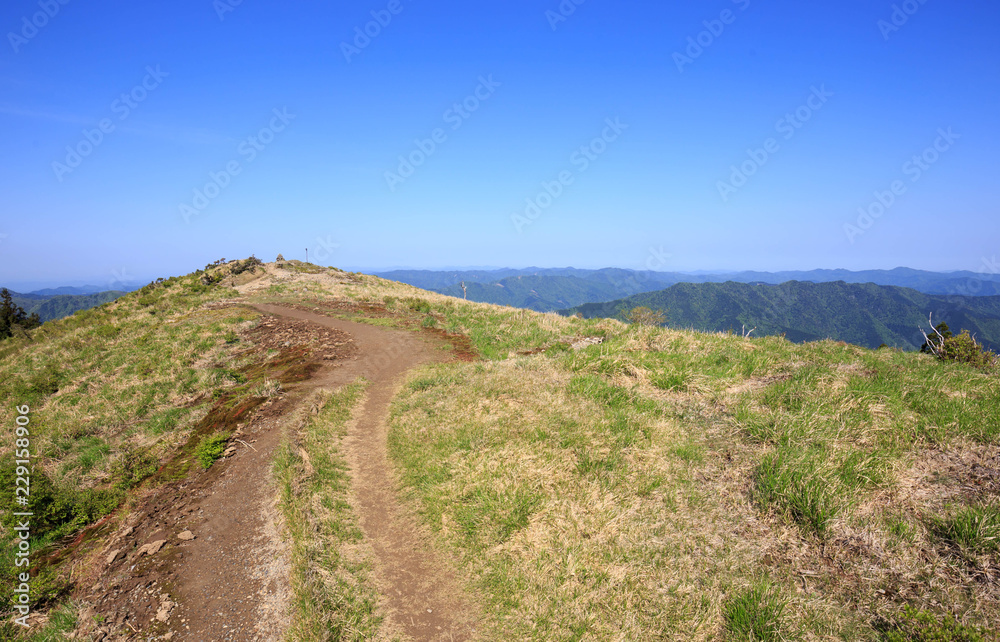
x=647 y=485
x=660 y=484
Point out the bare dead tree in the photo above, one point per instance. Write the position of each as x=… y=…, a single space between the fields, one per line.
x=465 y=294
x=746 y=333
x=934 y=348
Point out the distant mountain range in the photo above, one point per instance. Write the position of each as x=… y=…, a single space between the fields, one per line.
x=547 y=289
x=56 y=306
x=863 y=314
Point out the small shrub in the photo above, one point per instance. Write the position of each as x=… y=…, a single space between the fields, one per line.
x=965 y=349
x=210 y=449
x=755 y=613
x=645 y=316
x=962 y=348
x=428 y=322
x=248 y=265
x=231 y=338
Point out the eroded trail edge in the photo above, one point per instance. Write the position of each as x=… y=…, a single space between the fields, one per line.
x=420 y=592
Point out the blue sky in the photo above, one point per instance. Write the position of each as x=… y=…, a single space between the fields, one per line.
x=700 y=169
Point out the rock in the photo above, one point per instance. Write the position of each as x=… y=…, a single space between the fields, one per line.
x=152 y=548
x=280 y=258
x=112 y=556
x=186 y=536
x=163 y=614
x=228 y=452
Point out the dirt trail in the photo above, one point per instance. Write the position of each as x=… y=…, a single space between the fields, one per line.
x=422 y=595
x=219 y=569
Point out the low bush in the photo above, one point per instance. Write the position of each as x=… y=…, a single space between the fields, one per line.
x=645 y=316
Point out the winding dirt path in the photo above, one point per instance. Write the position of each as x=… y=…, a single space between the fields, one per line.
x=421 y=593
x=218 y=568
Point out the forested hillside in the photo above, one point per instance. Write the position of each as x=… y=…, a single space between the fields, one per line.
x=863 y=314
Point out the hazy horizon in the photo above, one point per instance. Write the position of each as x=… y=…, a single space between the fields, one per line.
x=988 y=266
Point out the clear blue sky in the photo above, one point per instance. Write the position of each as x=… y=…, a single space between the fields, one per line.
x=214 y=78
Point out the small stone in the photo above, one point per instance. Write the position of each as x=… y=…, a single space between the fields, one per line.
x=152 y=548
x=163 y=614
x=185 y=536
x=112 y=556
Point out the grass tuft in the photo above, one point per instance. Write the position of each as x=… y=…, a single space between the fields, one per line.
x=975 y=529
x=755 y=613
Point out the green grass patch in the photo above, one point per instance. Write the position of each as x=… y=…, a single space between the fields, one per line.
x=755 y=613
x=975 y=529
x=797 y=488
x=334 y=595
